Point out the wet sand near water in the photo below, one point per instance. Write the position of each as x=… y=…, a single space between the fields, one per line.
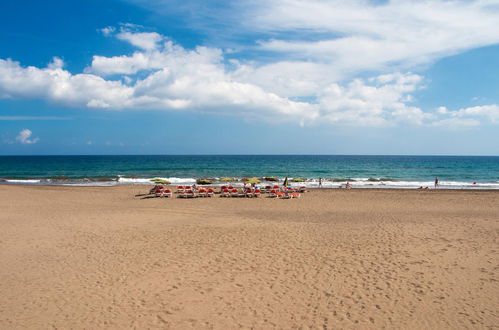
x=100 y=258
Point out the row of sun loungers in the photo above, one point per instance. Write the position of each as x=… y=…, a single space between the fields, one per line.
x=229 y=191
x=196 y=193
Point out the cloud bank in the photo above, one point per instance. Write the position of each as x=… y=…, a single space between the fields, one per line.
x=304 y=68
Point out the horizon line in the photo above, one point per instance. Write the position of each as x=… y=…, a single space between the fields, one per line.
x=215 y=154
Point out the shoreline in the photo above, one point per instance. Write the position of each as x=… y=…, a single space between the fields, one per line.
x=217 y=186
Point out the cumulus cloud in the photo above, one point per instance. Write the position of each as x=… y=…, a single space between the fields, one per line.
x=144 y=40
x=489 y=112
x=24 y=137
x=194 y=80
x=162 y=75
x=378 y=101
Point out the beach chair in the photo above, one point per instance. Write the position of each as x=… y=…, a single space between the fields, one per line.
x=158 y=192
x=210 y=192
x=234 y=193
x=180 y=189
x=190 y=194
x=256 y=193
x=153 y=189
x=295 y=195
x=282 y=195
x=187 y=194
x=302 y=189
x=249 y=192
x=225 y=193
x=202 y=192
x=166 y=193
x=272 y=194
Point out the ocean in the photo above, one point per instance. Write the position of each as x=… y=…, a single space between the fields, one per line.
x=454 y=172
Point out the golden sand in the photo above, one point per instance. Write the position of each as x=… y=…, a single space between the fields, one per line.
x=98 y=258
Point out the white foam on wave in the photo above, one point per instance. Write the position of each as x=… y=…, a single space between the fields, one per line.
x=122 y=180
x=88 y=184
x=22 y=181
x=173 y=180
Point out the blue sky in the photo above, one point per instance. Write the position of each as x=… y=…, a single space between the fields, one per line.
x=249 y=77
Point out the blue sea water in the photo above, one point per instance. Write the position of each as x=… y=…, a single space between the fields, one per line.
x=362 y=171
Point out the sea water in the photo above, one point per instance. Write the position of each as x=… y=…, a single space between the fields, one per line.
x=459 y=172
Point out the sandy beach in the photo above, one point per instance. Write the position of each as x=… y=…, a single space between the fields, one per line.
x=100 y=258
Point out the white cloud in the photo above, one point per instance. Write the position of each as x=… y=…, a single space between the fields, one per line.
x=24 y=137
x=457 y=123
x=379 y=101
x=33 y=118
x=378 y=34
x=58 y=85
x=489 y=113
x=197 y=80
x=467 y=117
x=162 y=75
x=194 y=80
x=352 y=36
x=144 y=40
x=108 y=30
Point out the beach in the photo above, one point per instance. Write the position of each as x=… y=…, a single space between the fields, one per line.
x=101 y=258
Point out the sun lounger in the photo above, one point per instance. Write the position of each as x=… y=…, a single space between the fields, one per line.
x=225 y=193
x=202 y=192
x=166 y=193
x=280 y=194
x=273 y=194
x=180 y=189
x=188 y=194
x=210 y=192
x=295 y=195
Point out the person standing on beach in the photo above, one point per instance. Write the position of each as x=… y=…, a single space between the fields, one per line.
x=436 y=181
x=320 y=182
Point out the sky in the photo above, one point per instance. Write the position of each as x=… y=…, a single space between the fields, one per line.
x=399 y=77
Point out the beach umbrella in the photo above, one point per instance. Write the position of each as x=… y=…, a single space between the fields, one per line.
x=285 y=184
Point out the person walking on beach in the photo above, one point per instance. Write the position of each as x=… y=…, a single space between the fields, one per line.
x=320 y=182
x=436 y=182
